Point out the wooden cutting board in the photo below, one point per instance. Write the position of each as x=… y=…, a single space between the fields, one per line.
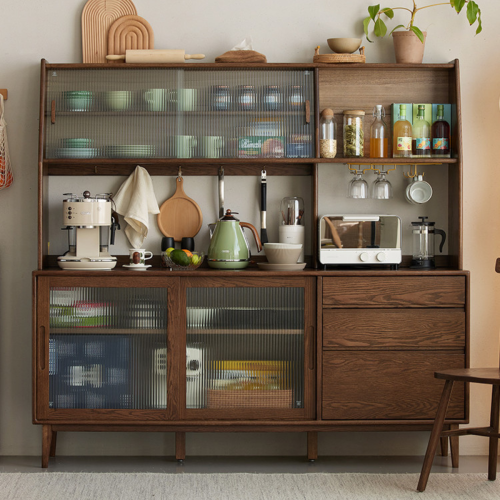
x=97 y=17
x=180 y=216
x=129 y=33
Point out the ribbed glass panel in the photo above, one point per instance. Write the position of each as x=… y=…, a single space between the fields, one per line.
x=177 y=113
x=107 y=348
x=245 y=348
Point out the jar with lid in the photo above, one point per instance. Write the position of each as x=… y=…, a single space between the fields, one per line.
x=295 y=96
x=246 y=97
x=354 y=137
x=272 y=97
x=327 y=135
x=221 y=98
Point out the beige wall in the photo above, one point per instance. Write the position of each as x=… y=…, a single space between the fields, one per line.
x=286 y=31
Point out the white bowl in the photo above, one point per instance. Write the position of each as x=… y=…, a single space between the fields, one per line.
x=282 y=253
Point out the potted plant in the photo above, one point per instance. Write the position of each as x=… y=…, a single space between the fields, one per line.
x=409 y=43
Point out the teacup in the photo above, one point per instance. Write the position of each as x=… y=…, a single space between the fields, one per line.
x=211 y=146
x=183 y=99
x=118 y=100
x=155 y=99
x=139 y=256
x=418 y=191
x=184 y=145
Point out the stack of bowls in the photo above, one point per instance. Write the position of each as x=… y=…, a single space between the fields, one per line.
x=77 y=147
x=78 y=100
x=131 y=151
x=117 y=100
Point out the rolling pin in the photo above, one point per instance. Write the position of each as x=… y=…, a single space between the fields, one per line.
x=155 y=56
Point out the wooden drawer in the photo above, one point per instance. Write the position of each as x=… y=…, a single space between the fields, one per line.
x=375 y=385
x=394 y=291
x=393 y=328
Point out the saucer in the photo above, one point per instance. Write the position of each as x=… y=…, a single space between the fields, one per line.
x=136 y=267
x=267 y=266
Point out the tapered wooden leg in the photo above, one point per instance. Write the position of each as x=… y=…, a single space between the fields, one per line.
x=455 y=447
x=493 y=454
x=53 y=444
x=46 y=443
x=312 y=445
x=444 y=446
x=435 y=435
x=180 y=445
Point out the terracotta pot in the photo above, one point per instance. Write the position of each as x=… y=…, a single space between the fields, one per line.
x=408 y=48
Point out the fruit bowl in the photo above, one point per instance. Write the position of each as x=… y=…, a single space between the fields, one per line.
x=166 y=261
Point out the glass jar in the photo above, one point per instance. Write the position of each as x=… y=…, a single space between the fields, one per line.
x=247 y=97
x=354 y=137
x=272 y=97
x=295 y=96
x=379 y=135
x=221 y=98
x=327 y=135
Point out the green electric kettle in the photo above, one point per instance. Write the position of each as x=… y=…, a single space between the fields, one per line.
x=228 y=247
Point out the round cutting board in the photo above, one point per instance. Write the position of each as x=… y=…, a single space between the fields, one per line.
x=180 y=216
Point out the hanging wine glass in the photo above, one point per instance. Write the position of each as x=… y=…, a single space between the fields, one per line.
x=358 y=187
x=382 y=188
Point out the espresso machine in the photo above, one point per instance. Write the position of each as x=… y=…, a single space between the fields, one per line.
x=88 y=221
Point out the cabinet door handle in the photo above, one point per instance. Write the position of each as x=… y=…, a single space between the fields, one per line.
x=41 y=348
x=53 y=112
x=308 y=111
x=312 y=355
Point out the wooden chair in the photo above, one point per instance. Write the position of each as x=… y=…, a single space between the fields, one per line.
x=489 y=376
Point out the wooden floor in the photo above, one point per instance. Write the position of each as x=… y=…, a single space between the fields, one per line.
x=262 y=465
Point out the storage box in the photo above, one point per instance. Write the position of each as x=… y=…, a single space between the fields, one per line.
x=261 y=146
x=277 y=398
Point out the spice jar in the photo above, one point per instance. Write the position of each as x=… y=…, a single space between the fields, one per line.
x=327 y=141
x=354 y=136
x=247 y=98
x=295 y=96
x=221 y=98
x=272 y=97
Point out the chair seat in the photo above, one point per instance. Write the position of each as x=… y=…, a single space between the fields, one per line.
x=489 y=376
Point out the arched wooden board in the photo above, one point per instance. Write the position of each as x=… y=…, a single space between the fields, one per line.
x=130 y=33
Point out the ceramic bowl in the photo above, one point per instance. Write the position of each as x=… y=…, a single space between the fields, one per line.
x=282 y=253
x=344 y=45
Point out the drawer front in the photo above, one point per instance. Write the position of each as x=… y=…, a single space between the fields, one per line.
x=404 y=291
x=388 y=385
x=393 y=328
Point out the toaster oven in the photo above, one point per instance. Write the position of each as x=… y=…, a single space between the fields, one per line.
x=359 y=239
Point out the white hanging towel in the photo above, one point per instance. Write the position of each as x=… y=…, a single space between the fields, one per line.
x=135 y=200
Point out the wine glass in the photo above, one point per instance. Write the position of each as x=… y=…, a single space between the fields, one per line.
x=382 y=188
x=358 y=187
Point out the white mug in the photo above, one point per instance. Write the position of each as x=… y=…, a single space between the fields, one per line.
x=184 y=145
x=138 y=256
x=183 y=99
x=155 y=99
x=211 y=146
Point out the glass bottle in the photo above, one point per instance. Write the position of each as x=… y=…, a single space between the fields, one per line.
x=327 y=141
x=421 y=141
x=272 y=97
x=379 y=137
x=247 y=97
x=295 y=96
x=402 y=135
x=440 y=133
x=221 y=98
x=354 y=138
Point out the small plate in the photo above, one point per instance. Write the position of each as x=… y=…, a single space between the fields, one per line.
x=136 y=267
x=267 y=266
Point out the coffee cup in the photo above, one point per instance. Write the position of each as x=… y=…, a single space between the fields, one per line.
x=184 y=145
x=183 y=99
x=418 y=191
x=139 y=256
x=155 y=99
x=211 y=146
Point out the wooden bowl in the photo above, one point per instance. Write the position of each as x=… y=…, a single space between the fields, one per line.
x=344 y=45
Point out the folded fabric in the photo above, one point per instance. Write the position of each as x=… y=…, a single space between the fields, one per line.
x=135 y=200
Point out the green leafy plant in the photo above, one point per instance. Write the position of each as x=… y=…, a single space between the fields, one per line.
x=380 y=28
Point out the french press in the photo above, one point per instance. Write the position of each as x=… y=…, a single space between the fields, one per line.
x=423 y=244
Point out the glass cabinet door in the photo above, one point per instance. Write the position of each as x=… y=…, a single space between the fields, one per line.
x=248 y=349
x=105 y=348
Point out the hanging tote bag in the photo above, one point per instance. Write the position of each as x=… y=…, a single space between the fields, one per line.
x=6 y=177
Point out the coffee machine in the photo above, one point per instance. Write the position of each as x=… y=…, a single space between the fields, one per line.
x=88 y=221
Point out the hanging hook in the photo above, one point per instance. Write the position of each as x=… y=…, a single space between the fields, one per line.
x=413 y=172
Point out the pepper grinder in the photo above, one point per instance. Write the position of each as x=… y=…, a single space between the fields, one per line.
x=291 y=229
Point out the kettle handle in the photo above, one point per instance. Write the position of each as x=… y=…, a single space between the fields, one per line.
x=255 y=234
x=443 y=236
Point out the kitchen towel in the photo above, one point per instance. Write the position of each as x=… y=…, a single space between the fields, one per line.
x=135 y=200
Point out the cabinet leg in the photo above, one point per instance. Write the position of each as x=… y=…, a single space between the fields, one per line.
x=46 y=445
x=455 y=449
x=444 y=446
x=312 y=445
x=493 y=448
x=180 y=445
x=53 y=444
x=435 y=435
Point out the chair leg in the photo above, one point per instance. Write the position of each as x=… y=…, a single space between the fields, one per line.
x=435 y=435
x=493 y=454
x=444 y=446
x=455 y=448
